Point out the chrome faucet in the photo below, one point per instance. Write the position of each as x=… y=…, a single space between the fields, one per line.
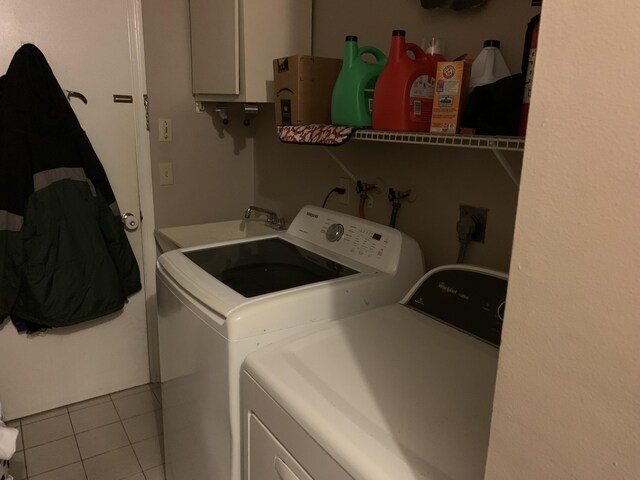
x=272 y=221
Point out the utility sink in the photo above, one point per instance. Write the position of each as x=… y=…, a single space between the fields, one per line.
x=171 y=238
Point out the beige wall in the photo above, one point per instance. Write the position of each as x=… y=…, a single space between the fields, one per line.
x=289 y=176
x=568 y=391
x=212 y=166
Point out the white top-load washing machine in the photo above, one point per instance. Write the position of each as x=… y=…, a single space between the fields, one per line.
x=219 y=302
x=399 y=392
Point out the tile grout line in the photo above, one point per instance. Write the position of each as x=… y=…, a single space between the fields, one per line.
x=75 y=434
x=75 y=437
x=127 y=435
x=26 y=467
x=132 y=393
x=66 y=410
x=24 y=451
x=119 y=421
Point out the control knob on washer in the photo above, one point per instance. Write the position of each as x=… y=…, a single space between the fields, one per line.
x=334 y=232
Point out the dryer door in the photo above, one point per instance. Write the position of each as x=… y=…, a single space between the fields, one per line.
x=268 y=459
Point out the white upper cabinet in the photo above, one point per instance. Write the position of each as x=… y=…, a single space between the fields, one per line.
x=234 y=42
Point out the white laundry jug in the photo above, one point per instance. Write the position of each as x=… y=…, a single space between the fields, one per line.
x=489 y=66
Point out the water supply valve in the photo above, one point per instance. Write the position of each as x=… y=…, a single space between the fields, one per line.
x=396 y=195
x=363 y=188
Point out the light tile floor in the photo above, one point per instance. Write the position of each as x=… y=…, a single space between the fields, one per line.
x=113 y=437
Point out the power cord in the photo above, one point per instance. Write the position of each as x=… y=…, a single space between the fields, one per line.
x=465 y=227
x=338 y=190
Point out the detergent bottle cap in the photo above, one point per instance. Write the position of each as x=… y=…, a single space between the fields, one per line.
x=398 y=33
x=491 y=43
x=350 y=38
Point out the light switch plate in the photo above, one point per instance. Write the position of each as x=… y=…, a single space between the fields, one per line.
x=166 y=173
x=164 y=130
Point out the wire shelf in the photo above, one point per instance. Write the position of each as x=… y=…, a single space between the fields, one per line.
x=514 y=144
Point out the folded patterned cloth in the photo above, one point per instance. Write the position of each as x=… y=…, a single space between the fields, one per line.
x=315 y=134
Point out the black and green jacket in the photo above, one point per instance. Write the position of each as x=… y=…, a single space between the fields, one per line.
x=64 y=255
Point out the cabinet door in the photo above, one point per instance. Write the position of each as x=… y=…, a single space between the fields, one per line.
x=268 y=458
x=215 y=50
x=234 y=43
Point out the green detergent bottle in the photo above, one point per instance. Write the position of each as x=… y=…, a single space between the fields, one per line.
x=352 y=99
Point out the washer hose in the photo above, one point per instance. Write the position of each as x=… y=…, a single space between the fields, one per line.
x=394 y=214
x=361 y=204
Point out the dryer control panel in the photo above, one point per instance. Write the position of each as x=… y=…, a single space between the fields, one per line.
x=468 y=298
x=373 y=244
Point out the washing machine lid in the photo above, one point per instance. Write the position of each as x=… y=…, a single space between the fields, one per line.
x=388 y=393
x=216 y=275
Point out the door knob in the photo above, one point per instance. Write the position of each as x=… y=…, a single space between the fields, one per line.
x=130 y=221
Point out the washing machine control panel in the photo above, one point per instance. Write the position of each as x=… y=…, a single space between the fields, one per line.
x=469 y=299
x=378 y=246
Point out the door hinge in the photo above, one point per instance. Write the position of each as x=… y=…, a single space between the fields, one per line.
x=146 y=109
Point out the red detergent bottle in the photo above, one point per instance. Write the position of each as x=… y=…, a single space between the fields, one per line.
x=528 y=67
x=403 y=98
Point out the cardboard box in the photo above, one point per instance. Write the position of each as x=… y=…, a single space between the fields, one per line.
x=450 y=98
x=303 y=88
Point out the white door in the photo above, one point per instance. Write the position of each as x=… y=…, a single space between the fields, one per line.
x=91 y=48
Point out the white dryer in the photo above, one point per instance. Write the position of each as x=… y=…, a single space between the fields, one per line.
x=400 y=392
x=219 y=302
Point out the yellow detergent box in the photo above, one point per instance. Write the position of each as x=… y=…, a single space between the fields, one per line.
x=450 y=97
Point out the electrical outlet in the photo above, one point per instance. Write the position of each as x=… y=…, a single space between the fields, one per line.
x=479 y=216
x=346 y=184
x=166 y=173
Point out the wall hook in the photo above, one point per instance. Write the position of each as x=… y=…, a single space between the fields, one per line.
x=71 y=93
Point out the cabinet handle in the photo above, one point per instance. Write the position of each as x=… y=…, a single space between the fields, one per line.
x=283 y=471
